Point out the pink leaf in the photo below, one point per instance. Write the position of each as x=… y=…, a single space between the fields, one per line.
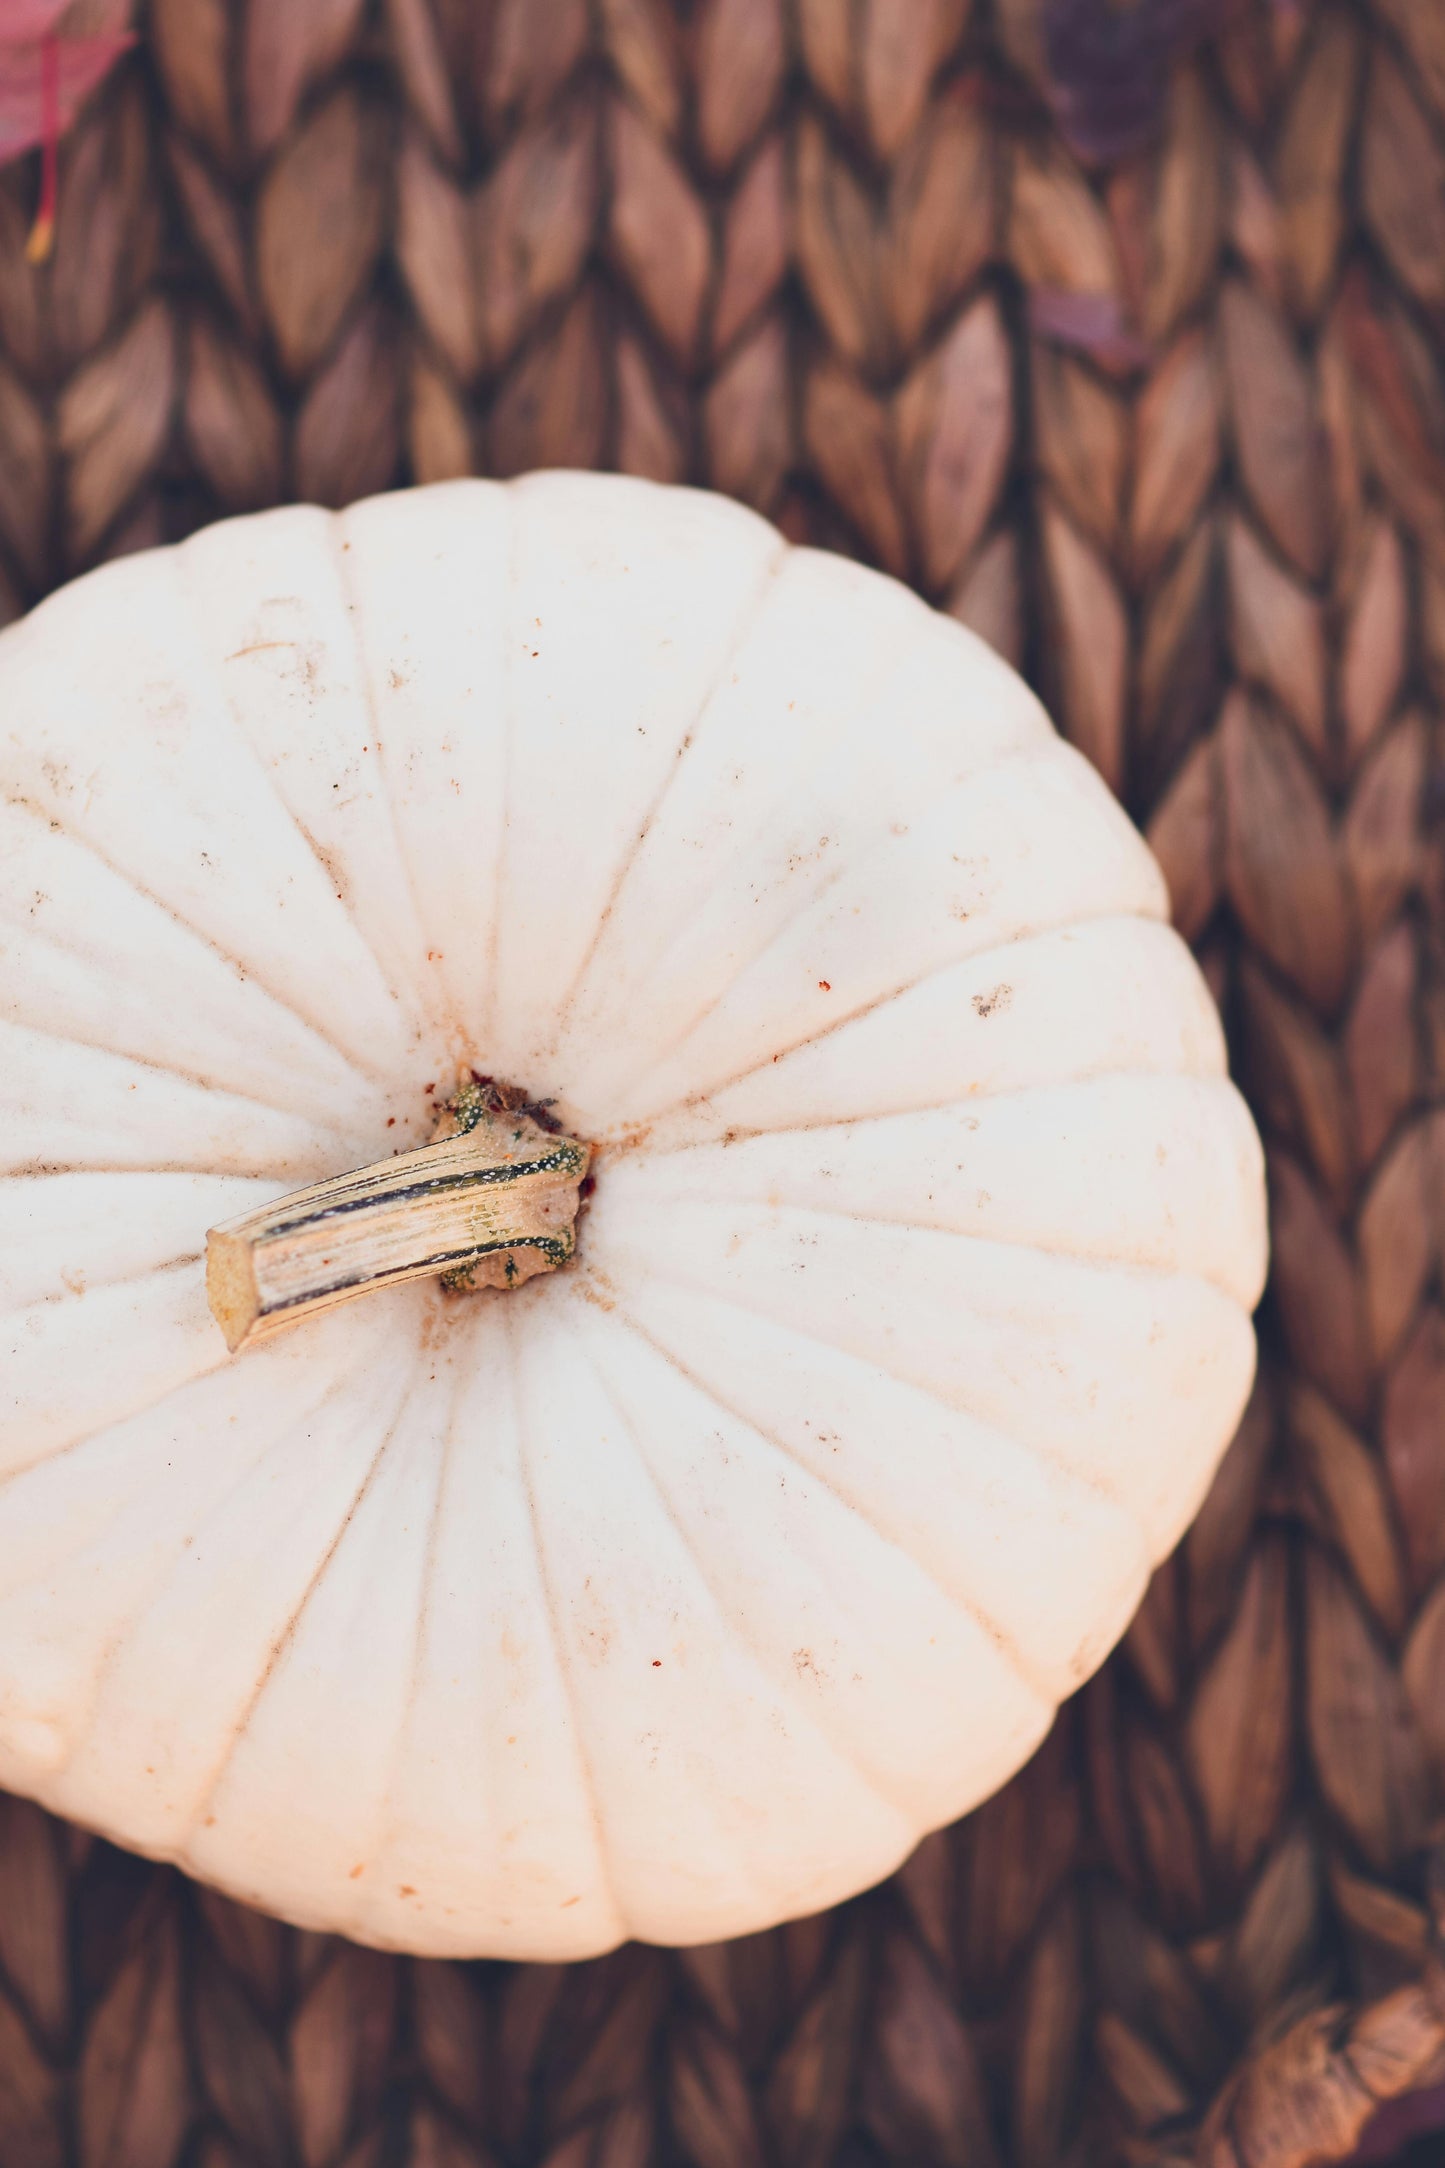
x=26 y=22
x=1094 y=323
x=82 y=64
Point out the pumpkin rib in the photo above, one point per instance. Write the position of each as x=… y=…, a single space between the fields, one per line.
x=992 y=1631
x=287 y=1634
x=571 y=999
x=240 y=965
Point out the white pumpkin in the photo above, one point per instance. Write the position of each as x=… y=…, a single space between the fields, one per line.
x=682 y=1590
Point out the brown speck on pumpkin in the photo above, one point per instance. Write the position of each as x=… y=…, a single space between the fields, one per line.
x=357 y=1872
x=825 y=986
x=999 y=998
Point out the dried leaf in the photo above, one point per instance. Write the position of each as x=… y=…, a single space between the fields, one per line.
x=1152 y=1641
x=1176 y=450
x=827 y=50
x=1080 y=440
x=26 y=476
x=135 y=2093
x=641 y=39
x=1256 y=225
x=1373 y=661
x=531 y=53
x=1179 y=677
x=239 y=2067
x=838 y=251
x=1295 y=1079
x=988 y=597
x=348 y=433
x=1188 y=210
x=754 y=245
x=1281 y=867
x=1389 y=1938
x=1149 y=2091
x=847 y=436
x=659 y=233
x=900 y=48
x=1278 y=1931
x=286 y=50
x=1317 y=1287
x=1052 y=2015
x=1353 y=1508
x=1092 y=645
x=942 y=215
x=746 y=420
x=422 y=67
x=106 y=231
x=922 y=2095
x=34 y=1941
x=339 y=2045
x=192 y=44
x=1423 y=34
x=1366 y=1753
x=433 y=246
x=806 y=2094
x=1278 y=632
x=1018 y=1847
x=1277 y=435
x=533 y=224
x=112 y=421
x=710 y=2101
x=649 y=425
x=1381 y=1047
x=34 y=2124
x=740 y=56
x=1402 y=172
x=1309 y=162
x=1423 y=1672
x=955 y=426
x=1186 y=835
x=1214 y=1548
x=215 y=221
x=319 y=229
x=232 y=425
x=1414 y=1441
x=928 y=1884
x=251 y=1944
x=1059 y=234
x=551 y=410
x=1381 y=834
x=1239 y=1733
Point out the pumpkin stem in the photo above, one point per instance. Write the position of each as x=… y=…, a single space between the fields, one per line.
x=488 y=1206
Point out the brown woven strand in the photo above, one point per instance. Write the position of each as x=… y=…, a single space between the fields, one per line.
x=1171 y=433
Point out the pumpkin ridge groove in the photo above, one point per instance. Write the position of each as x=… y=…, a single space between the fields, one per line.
x=747 y=622
x=212 y=665
x=286 y=1637
x=238 y=964
x=488 y=1009
x=993 y=1633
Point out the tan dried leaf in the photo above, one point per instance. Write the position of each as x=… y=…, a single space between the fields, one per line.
x=901 y=44
x=807 y=2094
x=34 y=2123
x=1187 y=207
x=112 y=422
x=1372 y=664
x=659 y=232
x=850 y=443
x=1309 y=162
x=433 y=246
x=1176 y=450
x=348 y=432
x=1150 y=2092
x=1389 y=1937
x=215 y=221
x=1422 y=30
x=238 y=2066
x=107 y=229
x=1402 y=172
x=839 y=250
x=1091 y=643
x=1053 y=2012
x=1381 y=1043
x=922 y=2095
x=339 y=2043
x=641 y=39
x=1277 y=632
x=1295 y=1079
x=1215 y=1546
x=747 y=419
x=1366 y=1751
x=23 y=329
x=1277 y=435
x=1178 y=677
x=740 y=55
x=449 y=2018
x=231 y=422
x=1423 y=1672
x=1382 y=830
x=955 y=429
x=34 y=1923
x=928 y=1885
x=1017 y=1850
x=1354 y=1511
x=1080 y=439
x=828 y=50
x=989 y=597
x=1399 y=1239
x=754 y=245
x=533 y=224
x=1059 y=234
x=552 y=409
x=1414 y=1437
x=286 y=49
x=1239 y=1733
x=251 y=1944
x=422 y=67
x=319 y=228
x=650 y=424
x=531 y=51
x=1186 y=835
x=1317 y=1286
x=135 y=2086
x=26 y=476
x=942 y=214
x=1256 y=225
x=192 y=41
x=710 y=2101
x=1278 y=1931
x=1281 y=865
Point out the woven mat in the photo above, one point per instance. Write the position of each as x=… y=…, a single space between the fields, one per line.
x=1170 y=430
